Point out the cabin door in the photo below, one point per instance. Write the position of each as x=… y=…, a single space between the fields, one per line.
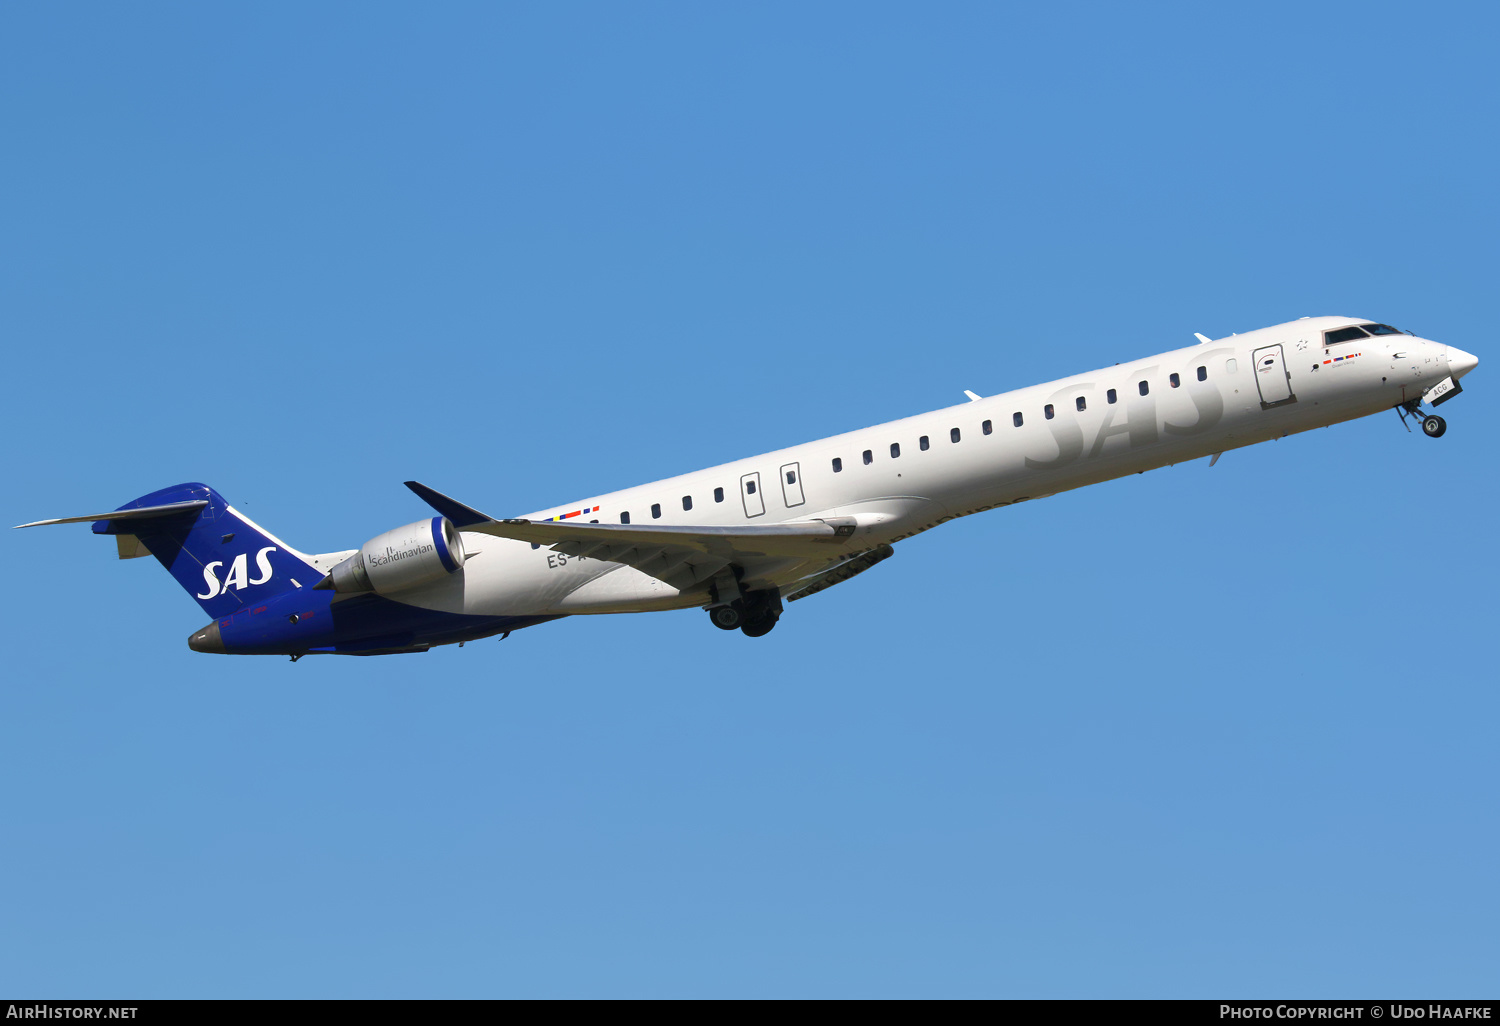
x=1271 y=377
x=791 y=485
x=755 y=502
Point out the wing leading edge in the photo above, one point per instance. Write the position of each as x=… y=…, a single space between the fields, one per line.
x=680 y=556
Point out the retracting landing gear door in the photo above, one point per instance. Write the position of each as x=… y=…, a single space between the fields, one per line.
x=1437 y=395
x=1271 y=377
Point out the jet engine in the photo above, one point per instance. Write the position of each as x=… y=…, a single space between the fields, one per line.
x=416 y=554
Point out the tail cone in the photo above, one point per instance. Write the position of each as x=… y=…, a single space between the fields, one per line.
x=208 y=640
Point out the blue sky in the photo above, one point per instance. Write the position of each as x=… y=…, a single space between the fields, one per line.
x=1221 y=732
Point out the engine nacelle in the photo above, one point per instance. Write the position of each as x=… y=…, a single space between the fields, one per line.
x=416 y=554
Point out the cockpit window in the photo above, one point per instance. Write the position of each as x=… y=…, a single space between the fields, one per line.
x=1333 y=338
x=1382 y=329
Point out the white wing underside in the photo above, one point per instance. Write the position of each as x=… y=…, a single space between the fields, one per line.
x=684 y=557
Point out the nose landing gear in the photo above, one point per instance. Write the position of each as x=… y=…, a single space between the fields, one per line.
x=1433 y=426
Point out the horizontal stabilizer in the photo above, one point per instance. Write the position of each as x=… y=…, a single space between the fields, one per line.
x=140 y=513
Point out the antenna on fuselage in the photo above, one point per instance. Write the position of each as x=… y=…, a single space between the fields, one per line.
x=1202 y=337
x=972 y=397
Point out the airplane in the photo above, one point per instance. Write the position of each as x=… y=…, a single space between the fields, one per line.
x=742 y=539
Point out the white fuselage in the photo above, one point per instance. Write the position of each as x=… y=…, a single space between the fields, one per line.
x=1229 y=393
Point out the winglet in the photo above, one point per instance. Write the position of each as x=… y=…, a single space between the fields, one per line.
x=461 y=515
x=1202 y=337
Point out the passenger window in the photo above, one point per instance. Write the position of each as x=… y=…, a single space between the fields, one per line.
x=922 y=443
x=718 y=495
x=1202 y=373
x=1017 y=420
x=624 y=518
x=656 y=511
x=1112 y=397
x=687 y=502
x=1047 y=411
x=1082 y=405
x=838 y=465
x=1175 y=380
x=791 y=477
x=1333 y=338
x=953 y=435
x=869 y=457
x=987 y=428
x=1230 y=365
x=895 y=450
x=1145 y=388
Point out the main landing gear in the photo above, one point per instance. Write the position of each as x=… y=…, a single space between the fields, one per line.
x=1433 y=426
x=753 y=614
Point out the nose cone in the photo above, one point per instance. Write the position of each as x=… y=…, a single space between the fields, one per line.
x=207 y=640
x=1460 y=362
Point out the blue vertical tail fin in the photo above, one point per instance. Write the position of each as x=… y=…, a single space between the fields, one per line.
x=222 y=559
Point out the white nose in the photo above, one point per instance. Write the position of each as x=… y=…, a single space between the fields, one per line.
x=1460 y=362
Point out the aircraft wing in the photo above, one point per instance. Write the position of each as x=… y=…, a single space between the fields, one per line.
x=680 y=556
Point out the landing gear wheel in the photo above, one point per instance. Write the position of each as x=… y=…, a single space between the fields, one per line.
x=1434 y=426
x=760 y=628
x=727 y=618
